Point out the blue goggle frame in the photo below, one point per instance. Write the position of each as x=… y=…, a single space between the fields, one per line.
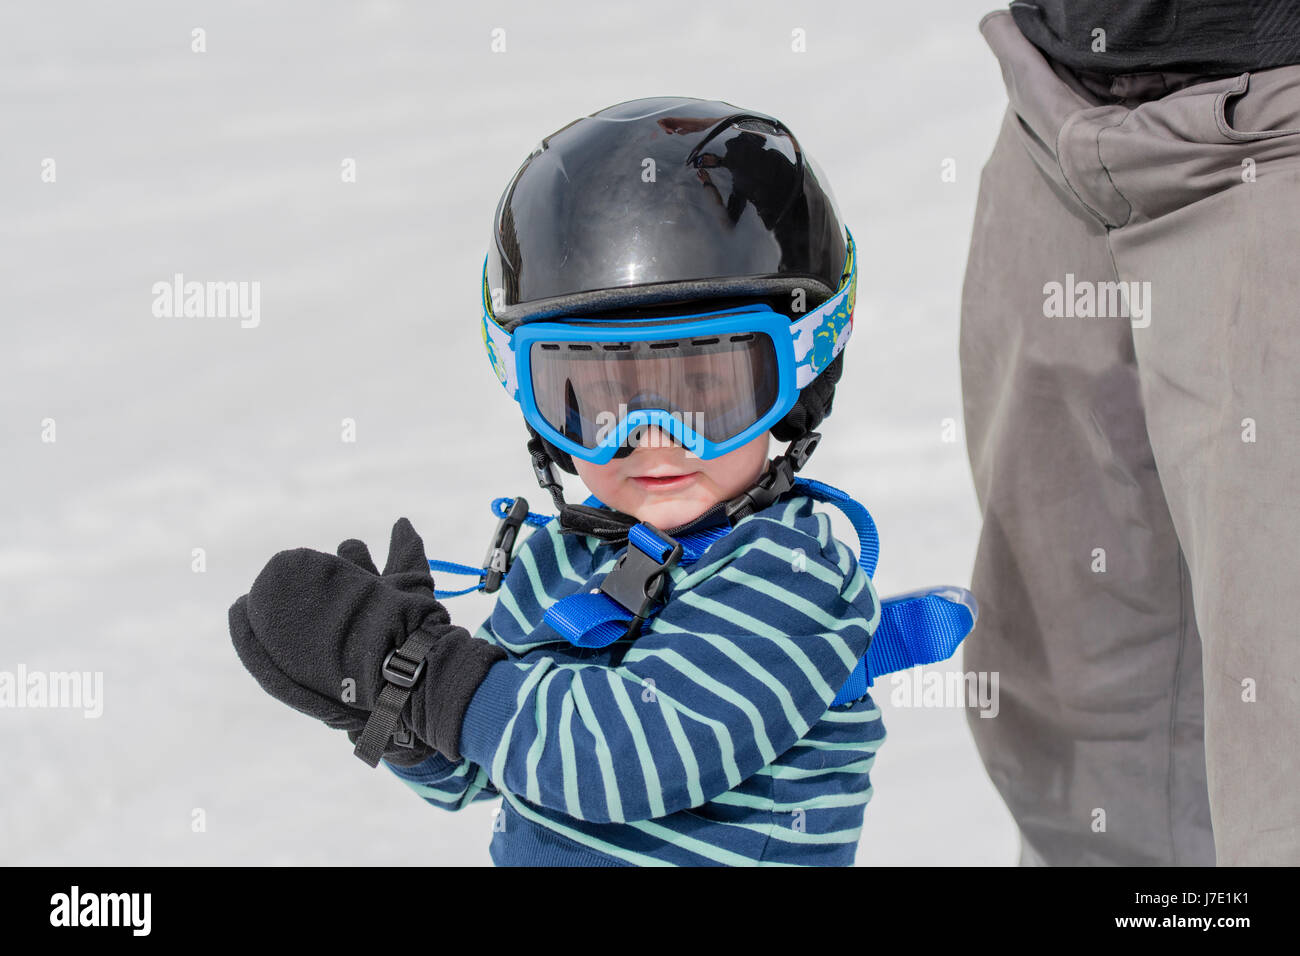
x=803 y=347
x=755 y=320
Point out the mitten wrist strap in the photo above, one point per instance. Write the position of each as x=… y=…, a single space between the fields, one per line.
x=402 y=670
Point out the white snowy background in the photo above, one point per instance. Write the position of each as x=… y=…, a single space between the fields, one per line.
x=175 y=434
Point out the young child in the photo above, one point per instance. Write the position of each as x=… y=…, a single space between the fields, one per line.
x=675 y=671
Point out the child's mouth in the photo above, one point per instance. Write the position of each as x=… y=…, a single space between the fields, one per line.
x=668 y=483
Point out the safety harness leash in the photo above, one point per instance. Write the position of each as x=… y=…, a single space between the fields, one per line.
x=918 y=628
x=921 y=627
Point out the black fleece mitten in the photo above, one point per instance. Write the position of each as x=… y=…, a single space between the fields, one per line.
x=322 y=619
x=331 y=711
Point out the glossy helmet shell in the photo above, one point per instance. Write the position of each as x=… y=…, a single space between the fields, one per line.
x=668 y=205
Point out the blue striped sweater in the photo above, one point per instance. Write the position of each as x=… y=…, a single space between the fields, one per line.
x=707 y=740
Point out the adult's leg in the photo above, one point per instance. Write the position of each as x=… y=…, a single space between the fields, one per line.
x=1213 y=178
x=1085 y=607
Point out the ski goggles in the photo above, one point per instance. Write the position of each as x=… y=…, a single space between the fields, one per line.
x=714 y=381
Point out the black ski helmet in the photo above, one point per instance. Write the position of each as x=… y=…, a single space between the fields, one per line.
x=652 y=206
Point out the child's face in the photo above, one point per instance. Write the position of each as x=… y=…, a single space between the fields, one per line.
x=623 y=483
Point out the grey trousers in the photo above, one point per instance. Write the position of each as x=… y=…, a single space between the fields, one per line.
x=1130 y=357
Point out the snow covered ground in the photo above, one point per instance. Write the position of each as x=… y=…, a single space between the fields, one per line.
x=177 y=434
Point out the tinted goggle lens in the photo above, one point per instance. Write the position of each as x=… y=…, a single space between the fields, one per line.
x=718 y=385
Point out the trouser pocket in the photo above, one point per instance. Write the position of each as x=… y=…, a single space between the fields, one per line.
x=1259 y=106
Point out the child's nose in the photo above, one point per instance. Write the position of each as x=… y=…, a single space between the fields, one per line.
x=652 y=436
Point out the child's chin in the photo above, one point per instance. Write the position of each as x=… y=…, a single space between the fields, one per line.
x=664 y=515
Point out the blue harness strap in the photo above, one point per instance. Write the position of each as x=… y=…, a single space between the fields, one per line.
x=501 y=508
x=920 y=627
x=593 y=618
x=451 y=567
x=858 y=515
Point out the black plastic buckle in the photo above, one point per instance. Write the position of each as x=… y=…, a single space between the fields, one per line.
x=407 y=675
x=772 y=484
x=801 y=450
x=637 y=580
x=544 y=473
x=776 y=480
x=402 y=737
x=497 y=562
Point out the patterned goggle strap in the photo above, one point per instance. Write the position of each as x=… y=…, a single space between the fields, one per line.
x=818 y=337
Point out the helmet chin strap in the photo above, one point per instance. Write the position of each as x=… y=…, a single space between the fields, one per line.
x=613 y=526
